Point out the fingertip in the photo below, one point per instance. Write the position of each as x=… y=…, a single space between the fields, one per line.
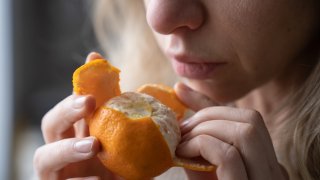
x=182 y=91
x=193 y=99
x=96 y=146
x=181 y=88
x=90 y=103
x=185 y=126
x=93 y=56
x=176 y=85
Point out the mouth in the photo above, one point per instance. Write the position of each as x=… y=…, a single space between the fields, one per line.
x=195 y=68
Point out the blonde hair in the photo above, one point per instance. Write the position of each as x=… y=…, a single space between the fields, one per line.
x=301 y=147
x=122 y=31
x=128 y=42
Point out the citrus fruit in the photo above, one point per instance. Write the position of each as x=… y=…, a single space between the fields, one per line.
x=165 y=95
x=138 y=133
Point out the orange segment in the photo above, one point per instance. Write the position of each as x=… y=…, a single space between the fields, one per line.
x=133 y=149
x=165 y=95
x=98 y=78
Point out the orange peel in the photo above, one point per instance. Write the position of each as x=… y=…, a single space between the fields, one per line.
x=165 y=95
x=139 y=133
x=98 y=78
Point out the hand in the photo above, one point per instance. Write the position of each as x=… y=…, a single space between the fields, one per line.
x=235 y=140
x=69 y=152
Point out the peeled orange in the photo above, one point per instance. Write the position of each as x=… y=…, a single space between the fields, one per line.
x=139 y=133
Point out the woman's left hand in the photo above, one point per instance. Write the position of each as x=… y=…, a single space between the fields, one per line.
x=235 y=140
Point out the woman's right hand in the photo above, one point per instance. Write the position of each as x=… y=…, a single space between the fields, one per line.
x=69 y=151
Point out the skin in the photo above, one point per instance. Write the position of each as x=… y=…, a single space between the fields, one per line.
x=261 y=44
x=258 y=40
x=63 y=127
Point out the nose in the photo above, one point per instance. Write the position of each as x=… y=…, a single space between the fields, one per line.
x=166 y=16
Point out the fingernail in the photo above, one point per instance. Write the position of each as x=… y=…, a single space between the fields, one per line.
x=184 y=126
x=184 y=123
x=95 y=53
x=84 y=146
x=79 y=102
x=185 y=87
x=93 y=56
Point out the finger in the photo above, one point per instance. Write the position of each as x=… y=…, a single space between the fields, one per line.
x=225 y=113
x=191 y=98
x=226 y=157
x=221 y=129
x=237 y=123
x=253 y=145
x=81 y=129
x=55 y=156
x=93 y=56
x=227 y=131
x=86 y=178
x=58 y=122
x=201 y=175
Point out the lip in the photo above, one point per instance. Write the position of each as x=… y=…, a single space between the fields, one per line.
x=195 y=68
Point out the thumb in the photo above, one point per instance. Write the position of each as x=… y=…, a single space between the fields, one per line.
x=193 y=99
x=93 y=56
x=55 y=156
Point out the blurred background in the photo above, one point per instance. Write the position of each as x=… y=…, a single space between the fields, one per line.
x=41 y=44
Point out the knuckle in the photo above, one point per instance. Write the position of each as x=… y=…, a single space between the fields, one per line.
x=254 y=117
x=49 y=157
x=64 y=149
x=231 y=154
x=247 y=133
x=201 y=140
x=45 y=120
x=37 y=160
x=37 y=157
x=51 y=114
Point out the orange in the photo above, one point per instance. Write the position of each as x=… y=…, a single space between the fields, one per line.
x=167 y=96
x=138 y=133
x=135 y=131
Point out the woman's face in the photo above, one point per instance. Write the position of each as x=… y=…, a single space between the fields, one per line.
x=227 y=48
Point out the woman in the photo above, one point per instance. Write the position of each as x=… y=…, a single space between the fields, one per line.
x=250 y=71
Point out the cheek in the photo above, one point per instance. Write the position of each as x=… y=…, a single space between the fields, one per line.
x=247 y=33
x=162 y=40
x=266 y=36
x=270 y=33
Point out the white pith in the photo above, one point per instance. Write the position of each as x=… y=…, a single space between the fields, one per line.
x=137 y=105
